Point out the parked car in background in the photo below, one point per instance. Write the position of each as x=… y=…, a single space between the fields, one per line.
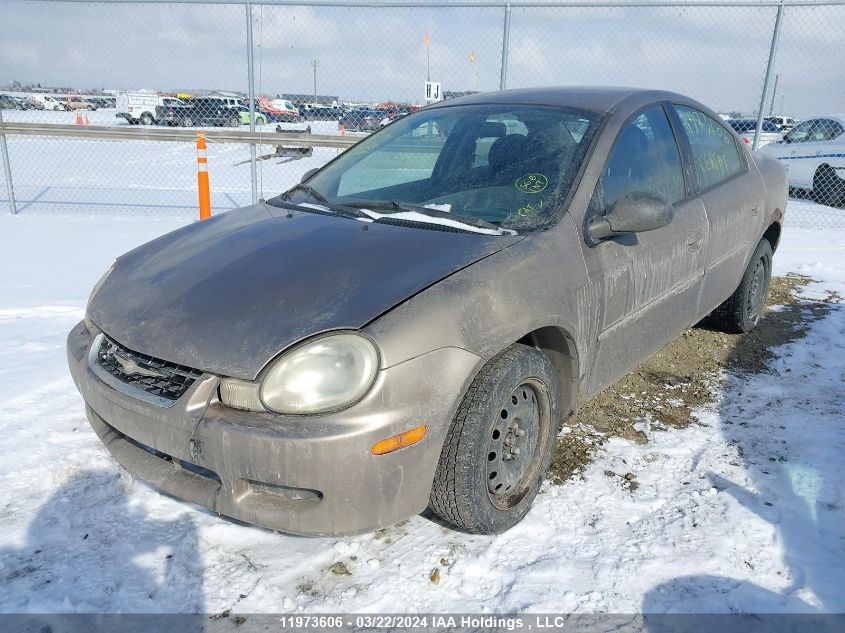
x=200 y=111
x=364 y=119
x=7 y=102
x=80 y=103
x=320 y=112
x=392 y=116
x=747 y=128
x=785 y=123
x=278 y=110
x=49 y=102
x=103 y=102
x=243 y=113
x=227 y=101
x=813 y=153
x=164 y=111
x=411 y=324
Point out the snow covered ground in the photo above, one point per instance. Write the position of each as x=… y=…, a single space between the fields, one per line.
x=742 y=512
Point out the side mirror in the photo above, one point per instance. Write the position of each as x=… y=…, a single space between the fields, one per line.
x=633 y=213
x=309 y=173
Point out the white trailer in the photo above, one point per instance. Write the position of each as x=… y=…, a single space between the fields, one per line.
x=137 y=107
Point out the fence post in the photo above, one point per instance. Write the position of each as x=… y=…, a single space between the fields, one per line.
x=250 y=65
x=506 y=33
x=7 y=168
x=769 y=66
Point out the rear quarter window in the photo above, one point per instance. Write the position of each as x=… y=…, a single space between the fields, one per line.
x=715 y=155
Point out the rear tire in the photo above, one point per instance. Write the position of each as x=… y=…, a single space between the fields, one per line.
x=186 y=121
x=234 y=121
x=828 y=188
x=743 y=309
x=147 y=119
x=498 y=448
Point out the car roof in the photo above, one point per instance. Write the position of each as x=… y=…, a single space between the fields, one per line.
x=836 y=117
x=595 y=98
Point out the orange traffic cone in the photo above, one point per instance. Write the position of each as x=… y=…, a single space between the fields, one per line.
x=78 y=118
x=202 y=178
x=87 y=122
x=342 y=129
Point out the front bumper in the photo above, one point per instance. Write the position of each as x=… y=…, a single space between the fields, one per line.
x=308 y=475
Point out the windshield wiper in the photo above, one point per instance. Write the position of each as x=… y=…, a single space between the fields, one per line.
x=433 y=213
x=343 y=211
x=309 y=190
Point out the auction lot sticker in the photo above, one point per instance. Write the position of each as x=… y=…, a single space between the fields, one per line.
x=532 y=183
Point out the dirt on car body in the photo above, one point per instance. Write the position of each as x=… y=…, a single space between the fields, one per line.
x=665 y=390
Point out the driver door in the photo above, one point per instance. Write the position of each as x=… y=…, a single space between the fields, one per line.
x=648 y=284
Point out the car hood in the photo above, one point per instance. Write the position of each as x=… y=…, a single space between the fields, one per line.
x=228 y=294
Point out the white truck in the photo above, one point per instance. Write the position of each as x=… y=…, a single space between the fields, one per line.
x=140 y=107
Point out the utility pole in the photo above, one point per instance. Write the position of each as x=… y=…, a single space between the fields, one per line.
x=315 y=63
x=761 y=110
x=774 y=93
x=427 y=42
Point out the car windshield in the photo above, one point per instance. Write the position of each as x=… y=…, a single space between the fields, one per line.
x=505 y=165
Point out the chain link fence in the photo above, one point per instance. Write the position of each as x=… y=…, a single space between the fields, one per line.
x=345 y=68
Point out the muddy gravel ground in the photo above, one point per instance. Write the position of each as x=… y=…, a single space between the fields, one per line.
x=663 y=392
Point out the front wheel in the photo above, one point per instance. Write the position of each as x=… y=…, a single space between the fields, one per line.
x=743 y=309
x=234 y=121
x=828 y=188
x=498 y=449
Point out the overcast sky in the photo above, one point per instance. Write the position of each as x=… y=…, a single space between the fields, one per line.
x=717 y=55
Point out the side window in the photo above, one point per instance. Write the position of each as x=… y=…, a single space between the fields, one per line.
x=644 y=159
x=801 y=132
x=714 y=149
x=826 y=130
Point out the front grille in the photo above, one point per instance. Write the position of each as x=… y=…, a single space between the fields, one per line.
x=155 y=376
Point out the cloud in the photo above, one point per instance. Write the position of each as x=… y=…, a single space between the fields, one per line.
x=715 y=54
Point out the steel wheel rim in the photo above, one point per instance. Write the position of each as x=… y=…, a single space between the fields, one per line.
x=756 y=295
x=517 y=436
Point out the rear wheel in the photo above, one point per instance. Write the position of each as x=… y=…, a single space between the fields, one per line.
x=499 y=446
x=186 y=121
x=147 y=119
x=234 y=121
x=743 y=309
x=828 y=188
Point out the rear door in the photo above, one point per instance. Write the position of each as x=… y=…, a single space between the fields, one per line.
x=795 y=156
x=733 y=194
x=649 y=282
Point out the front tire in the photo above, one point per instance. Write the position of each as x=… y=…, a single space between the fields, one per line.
x=828 y=188
x=743 y=309
x=498 y=449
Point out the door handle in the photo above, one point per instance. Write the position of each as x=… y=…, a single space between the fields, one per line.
x=694 y=241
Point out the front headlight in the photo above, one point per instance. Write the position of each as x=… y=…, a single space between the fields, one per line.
x=326 y=374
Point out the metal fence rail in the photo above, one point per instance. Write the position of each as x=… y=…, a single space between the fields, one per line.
x=739 y=57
